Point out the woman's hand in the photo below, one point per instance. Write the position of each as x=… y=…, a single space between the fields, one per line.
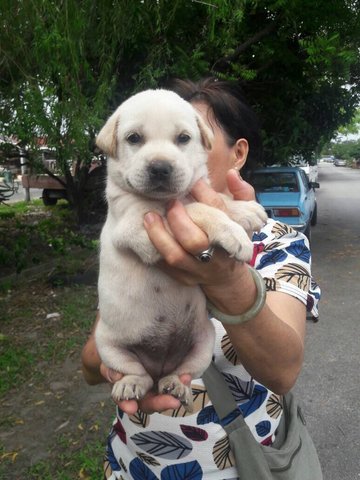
x=151 y=403
x=96 y=372
x=187 y=240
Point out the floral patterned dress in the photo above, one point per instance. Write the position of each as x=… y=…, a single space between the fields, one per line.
x=176 y=445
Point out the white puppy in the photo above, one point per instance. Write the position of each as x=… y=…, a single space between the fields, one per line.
x=152 y=328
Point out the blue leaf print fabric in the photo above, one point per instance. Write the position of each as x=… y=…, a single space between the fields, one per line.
x=183 y=471
x=299 y=250
x=114 y=464
x=207 y=415
x=259 y=237
x=140 y=471
x=258 y=397
x=240 y=389
x=263 y=428
x=271 y=258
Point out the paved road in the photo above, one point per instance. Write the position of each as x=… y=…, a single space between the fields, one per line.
x=330 y=381
x=20 y=194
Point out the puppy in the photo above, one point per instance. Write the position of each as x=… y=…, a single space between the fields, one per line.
x=152 y=328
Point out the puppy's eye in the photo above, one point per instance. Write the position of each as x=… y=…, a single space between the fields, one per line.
x=183 y=138
x=134 y=138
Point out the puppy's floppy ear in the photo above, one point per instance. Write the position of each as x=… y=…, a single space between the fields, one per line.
x=205 y=132
x=107 y=138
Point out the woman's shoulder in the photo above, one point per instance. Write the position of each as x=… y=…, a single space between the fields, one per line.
x=278 y=243
x=276 y=231
x=282 y=256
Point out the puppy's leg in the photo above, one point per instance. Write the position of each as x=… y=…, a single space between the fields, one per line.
x=134 y=237
x=222 y=231
x=136 y=382
x=195 y=363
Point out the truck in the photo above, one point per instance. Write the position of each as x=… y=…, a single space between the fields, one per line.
x=53 y=189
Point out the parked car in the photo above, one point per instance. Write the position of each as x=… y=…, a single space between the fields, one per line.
x=310 y=170
x=339 y=162
x=287 y=196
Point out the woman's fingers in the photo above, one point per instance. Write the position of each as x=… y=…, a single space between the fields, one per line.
x=203 y=193
x=187 y=233
x=109 y=374
x=239 y=189
x=152 y=402
x=129 y=406
x=168 y=246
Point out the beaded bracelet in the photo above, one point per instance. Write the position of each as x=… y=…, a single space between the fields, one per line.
x=252 y=312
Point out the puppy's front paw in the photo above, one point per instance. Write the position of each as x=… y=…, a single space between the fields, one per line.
x=173 y=386
x=131 y=387
x=235 y=241
x=250 y=215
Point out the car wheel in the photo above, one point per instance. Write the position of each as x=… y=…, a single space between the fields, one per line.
x=47 y=199
x=314 y=217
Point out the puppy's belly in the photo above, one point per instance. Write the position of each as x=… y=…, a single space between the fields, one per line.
x=149 y=314
x=163 y=347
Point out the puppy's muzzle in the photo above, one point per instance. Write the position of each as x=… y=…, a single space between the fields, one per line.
x=159 y=172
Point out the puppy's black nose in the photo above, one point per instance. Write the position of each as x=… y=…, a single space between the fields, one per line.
x=160 y=170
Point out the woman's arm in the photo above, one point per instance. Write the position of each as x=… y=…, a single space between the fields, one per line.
x=95 y=372
x=90 y=359
x=270 y=346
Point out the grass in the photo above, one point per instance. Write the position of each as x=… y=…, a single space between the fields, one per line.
x=34 y=348
x=32 y=234
x=83 y=464
x=72 y=463
x=29 y=354
x=18 y=207
x=21 y=354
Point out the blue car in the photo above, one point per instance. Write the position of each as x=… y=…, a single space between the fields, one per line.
x=287 y=196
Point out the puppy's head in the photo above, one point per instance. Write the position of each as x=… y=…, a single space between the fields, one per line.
x=156 y=145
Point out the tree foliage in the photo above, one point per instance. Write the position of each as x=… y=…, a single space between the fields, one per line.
x=353 y=127
x=66 y=64
x=347 y=149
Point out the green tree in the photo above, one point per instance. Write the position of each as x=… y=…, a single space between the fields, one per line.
x=348 y=149
x=353 y=127
x=66 y=64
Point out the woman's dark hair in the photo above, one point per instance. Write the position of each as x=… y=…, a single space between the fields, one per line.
x=231 y=112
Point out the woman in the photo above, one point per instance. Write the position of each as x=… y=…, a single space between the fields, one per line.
x=261 y=357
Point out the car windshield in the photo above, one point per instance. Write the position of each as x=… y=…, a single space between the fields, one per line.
x=275 y=182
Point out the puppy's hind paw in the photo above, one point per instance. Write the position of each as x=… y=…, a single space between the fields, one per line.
x=131 y=387
x=173 y=386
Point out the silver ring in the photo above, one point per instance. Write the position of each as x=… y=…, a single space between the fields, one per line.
x=206 y=255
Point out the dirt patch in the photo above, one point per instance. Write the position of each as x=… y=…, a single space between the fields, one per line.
x=50 y=414
x=52 y=424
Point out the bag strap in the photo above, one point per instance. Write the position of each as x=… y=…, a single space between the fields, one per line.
x=219 y=393
x=250 y=459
